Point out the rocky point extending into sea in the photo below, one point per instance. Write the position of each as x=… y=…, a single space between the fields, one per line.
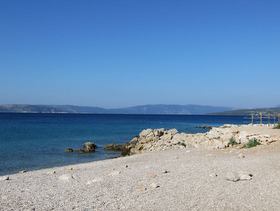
x=217 y=138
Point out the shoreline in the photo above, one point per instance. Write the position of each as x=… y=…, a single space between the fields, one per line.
x=184 y=178
x=174 y=179
x=118 y=152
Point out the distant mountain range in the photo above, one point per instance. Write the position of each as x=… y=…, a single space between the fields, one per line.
x=144 y=109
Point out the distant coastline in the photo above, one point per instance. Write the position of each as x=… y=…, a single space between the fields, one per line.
x=248 y=112
x=142 y=109
x=160 y=109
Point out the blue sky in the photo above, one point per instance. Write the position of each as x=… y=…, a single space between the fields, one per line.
x=127 y=52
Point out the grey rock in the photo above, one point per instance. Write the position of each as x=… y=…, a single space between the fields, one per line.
x=240 y=176
x=66 y=177
x=88 y=147
x=213 y=175
x=154 y=185
x=245 y=176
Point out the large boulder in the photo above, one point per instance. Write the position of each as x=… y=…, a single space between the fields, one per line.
x=88 y=147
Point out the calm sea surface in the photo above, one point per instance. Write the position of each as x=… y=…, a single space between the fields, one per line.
x=34 y=141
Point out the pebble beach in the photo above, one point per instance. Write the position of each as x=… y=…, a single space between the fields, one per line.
x=191 y=178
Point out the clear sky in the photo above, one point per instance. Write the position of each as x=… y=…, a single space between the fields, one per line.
x=127 y=52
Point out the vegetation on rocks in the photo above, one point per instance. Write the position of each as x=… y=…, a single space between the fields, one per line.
x=232 y=141
x=222 y=137
x=277 y=126
x=252 y=143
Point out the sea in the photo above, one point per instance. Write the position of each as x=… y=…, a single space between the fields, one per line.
x=36 y=141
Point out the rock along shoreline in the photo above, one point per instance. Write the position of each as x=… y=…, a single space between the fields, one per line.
x=237 y=136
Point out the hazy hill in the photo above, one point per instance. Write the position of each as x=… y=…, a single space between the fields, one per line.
x=50 y=109
x=170 y=109
x=144 y=109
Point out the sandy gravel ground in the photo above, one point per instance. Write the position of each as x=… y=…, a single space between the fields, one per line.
x=166 y=180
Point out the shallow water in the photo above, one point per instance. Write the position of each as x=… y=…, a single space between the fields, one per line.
x=34 y=141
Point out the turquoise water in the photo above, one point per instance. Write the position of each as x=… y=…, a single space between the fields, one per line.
x=34 y=141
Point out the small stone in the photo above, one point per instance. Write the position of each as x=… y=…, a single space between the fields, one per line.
x=241 y=155
x=23 y=171
x=4 y=178
x=154 y=185
x=51 y=172
x=114 y=173
x=69 y=150
x=95 y=180
x=213 y=175
x=126 y=166
x=65 y=177
x=245 y=176
x=232 y=176
x=166 y=172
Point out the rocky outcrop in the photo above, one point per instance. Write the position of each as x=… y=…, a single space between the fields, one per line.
x=114 y=147
x=87 y=147
x=118 y=147
x=217 y=138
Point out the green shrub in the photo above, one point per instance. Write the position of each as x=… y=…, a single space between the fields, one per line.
x=252 y=143
x=277 y=126
x=232 y=141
